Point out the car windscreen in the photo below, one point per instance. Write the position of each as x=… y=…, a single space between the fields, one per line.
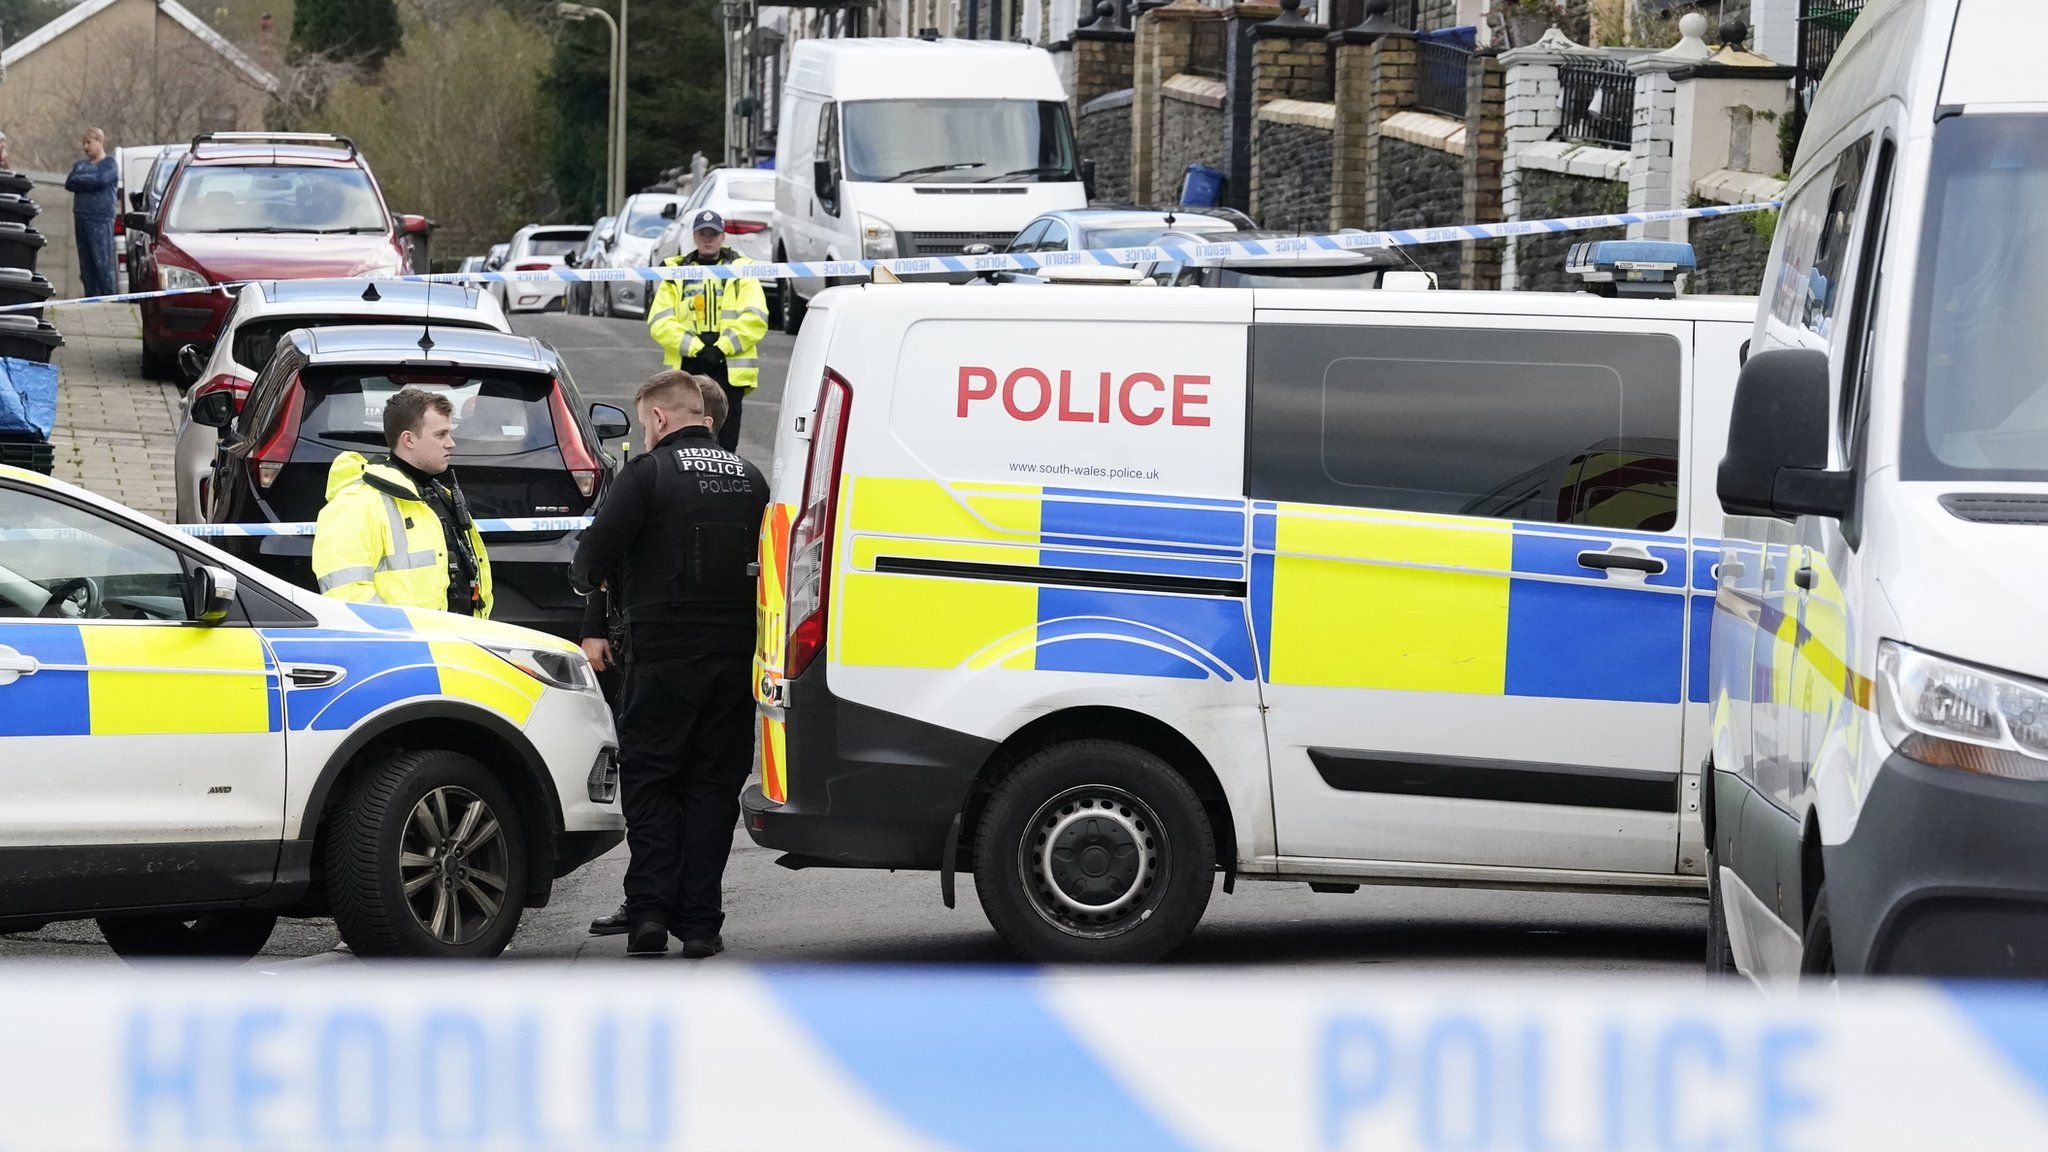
x=160 y=175
x=554 y=243
x=496 y=413
x=645 y=220
x=958 y=141
x=255 y=340
x=1977 y=382
x=1336 y=277
x=757 y=188
x=275 y=198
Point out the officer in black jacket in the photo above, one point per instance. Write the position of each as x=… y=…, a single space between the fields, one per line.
x=674 y=539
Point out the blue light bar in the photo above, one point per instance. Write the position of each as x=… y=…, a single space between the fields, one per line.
x=1631 y=267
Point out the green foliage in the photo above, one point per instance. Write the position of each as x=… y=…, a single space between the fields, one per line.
x=18 y=18
x=1788 y=143
x=364 y=31
x=1764 y=224
x=674 y=105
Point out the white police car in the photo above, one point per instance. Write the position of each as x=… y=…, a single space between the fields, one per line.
x=190 y=748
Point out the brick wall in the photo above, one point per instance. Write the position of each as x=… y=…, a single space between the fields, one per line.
x=1102 y=64
x=1731 y=254
x=1190 y=132
x=1539 y=260
x=1291 y=179
x=1431 y=15
x=1104 y=131
x=1421 y=188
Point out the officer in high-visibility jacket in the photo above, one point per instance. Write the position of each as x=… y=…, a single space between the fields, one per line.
x=712 y=327
x=397 y=530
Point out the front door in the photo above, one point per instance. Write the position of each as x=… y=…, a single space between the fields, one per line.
x=1471 y=587
x=141 y=753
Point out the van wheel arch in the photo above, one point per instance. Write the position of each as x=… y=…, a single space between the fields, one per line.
x=443 y=726
x=1102 y=723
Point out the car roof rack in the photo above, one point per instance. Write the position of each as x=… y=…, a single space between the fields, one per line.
x=309 y=139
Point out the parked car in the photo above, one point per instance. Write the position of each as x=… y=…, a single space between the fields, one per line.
x=642 y=222
x=1315 y=268
x=523 y=447
x=134 y=163
x=1080 y=229
x=576 y=298
x=537 y=248
x=746 y=198
x=262 y=313
x=496 y=259
x=195 y=748
x=245 y=206
x=472 y=264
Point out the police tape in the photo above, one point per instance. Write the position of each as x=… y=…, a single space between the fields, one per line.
x=306 y=527
x=996 y=261
x=780 y=1060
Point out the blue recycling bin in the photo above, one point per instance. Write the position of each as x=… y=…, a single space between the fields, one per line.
x=1202 y=187
x=28 y=413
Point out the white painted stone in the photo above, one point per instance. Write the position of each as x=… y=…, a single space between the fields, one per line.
x=1430 y=131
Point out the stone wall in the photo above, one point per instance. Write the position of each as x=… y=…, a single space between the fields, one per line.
x=1539 y=260
x=1731 y=251
x=1422 y=187
x=1104 y=132
x=1190 y=132
x=1431 y=15
x=1291 y=178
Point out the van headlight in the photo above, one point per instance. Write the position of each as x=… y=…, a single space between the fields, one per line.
x=1954 y=715
x=877 y=239
x=566 y=670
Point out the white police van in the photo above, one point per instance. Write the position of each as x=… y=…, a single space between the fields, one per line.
x=1098 y=592
x=1880 y=642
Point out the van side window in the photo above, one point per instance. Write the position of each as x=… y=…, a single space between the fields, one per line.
x=1820 y=223
x=1552 y=427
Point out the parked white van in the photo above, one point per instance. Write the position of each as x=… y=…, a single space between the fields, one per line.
x=1880 y=639
x=913 y=147
x=1098 y=591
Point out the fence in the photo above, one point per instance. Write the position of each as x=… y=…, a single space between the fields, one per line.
x=1207 y=48
x=1599 y=102
x=1822 y=26
x=1440 y=83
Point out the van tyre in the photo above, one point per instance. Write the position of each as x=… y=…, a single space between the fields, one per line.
x=1817 y=946
x=790 y=305
x=1094 y=850
x=216 y=935
x=426 y=857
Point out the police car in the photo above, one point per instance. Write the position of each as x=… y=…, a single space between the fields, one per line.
x=190 y=748
x=1099 y=592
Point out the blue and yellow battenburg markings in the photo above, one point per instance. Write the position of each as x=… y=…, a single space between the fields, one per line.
x=123 y=679
x=1334 y=597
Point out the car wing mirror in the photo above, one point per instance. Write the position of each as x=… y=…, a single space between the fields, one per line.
x=608 y=421
x=209 y=594
x=214 y=409
x=1776 y=462
x=192 y=361
x=139 y=222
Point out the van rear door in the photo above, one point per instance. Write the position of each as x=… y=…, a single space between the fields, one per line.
x=1470 y=582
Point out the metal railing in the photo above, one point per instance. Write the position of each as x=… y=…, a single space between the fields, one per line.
x=1207 y=49
x=1440 y=78
x=1822 y=26
x=1599 y=102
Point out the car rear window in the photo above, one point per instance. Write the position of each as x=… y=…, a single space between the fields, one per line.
x=257 y=339
x=496 y=414
x=750 y=188
x=274 y=198
x=555 y=244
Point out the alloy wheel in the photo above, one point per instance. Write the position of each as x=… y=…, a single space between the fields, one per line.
x=453 y=862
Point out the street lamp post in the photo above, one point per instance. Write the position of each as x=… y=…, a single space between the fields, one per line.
x=615 y=105
x=619 y=157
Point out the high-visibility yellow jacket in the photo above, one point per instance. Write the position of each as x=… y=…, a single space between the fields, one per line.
x=378 y=542
x=688 y=315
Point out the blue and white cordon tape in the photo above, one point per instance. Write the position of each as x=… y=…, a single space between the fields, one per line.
x=306 y=527
x=556 y=1059
x=1006 y=261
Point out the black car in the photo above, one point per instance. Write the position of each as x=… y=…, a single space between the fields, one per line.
x=524 y=447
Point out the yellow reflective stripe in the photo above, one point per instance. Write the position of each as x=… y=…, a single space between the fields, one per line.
x=400 y=561
x=664 y=314
x=341 y=576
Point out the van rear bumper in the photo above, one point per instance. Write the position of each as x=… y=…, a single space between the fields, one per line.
x=1942 y=877
x=866 y=788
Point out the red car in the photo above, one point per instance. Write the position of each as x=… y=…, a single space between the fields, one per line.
x=258 y=206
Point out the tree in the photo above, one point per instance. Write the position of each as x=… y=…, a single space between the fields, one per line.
x=18 y=18
x=454 y=126
x=674 y=104
x=362 y=30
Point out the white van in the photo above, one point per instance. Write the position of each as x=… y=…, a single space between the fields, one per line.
x=1097 y=591
x=911 y=147
x=1880 y=644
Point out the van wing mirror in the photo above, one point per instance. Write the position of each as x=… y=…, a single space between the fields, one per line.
x=671 y=210
x=1088 y=178
x=209 y=594
x=1776 y=463
x=608 y=421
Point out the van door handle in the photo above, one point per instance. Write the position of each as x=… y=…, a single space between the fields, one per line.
x=1607 y=561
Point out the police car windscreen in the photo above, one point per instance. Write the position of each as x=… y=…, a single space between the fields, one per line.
x=496 y=414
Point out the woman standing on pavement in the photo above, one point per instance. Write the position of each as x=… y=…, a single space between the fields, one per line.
x=94 y=185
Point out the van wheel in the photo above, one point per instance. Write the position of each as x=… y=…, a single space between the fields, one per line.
x=1094 y=850
x=426 y=857
x=220 y=935
x=1720 y=950
x=1817 y=956
x=790 y=304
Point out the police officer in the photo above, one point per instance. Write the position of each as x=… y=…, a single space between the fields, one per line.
x=712 y=327
x=674 y=540
x=397 y=530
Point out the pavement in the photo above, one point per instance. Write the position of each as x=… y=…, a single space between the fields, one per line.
x=107 y=413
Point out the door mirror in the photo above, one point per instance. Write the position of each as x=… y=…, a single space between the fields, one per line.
x=1776 y=464
x=415 y=225
x=609 y=421
x=214 y=409
x=137 y=199
x=1088 y=178
x=139 y=222
x=671 y=210
x=209 y=594
x=192 y=361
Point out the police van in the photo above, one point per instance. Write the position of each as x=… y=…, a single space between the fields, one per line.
x=190 y=748
x=1880 y=644
x=1098 y=592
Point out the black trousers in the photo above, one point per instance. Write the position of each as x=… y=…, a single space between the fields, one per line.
x=686 y=745
x=728 y=432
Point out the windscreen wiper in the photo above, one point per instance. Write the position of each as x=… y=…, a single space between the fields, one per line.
x=1040 y=170
x=934 y=169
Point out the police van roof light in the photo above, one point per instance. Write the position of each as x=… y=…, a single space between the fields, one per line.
x=1636 y=269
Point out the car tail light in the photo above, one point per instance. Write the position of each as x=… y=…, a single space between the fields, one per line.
x=810 y=538
x=582 y=465
x=120 y=229
x=275 y=452
x=744 y=227
x=532 y=266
